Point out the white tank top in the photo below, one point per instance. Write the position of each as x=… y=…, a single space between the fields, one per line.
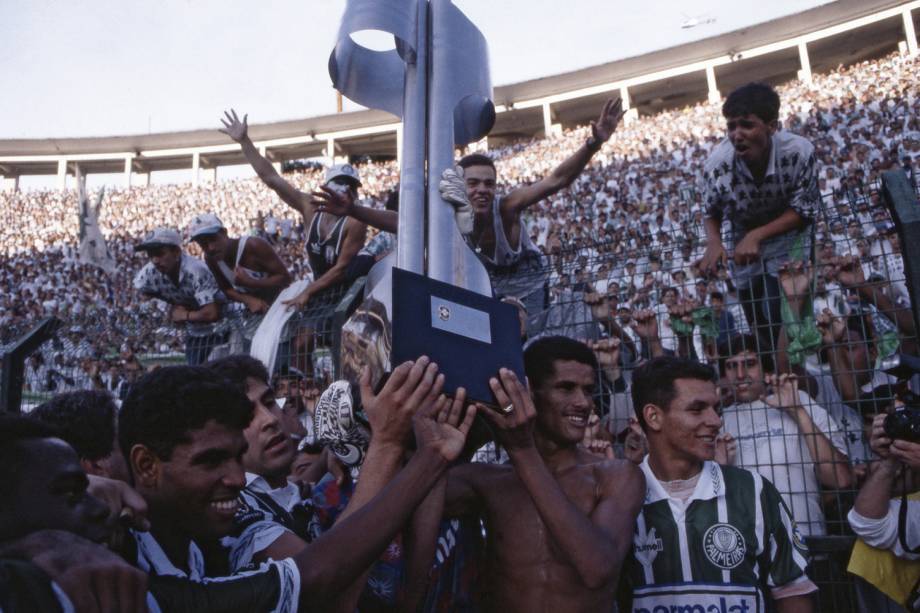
x=228 y=273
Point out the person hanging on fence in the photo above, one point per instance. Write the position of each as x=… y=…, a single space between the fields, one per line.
x=498 y=234
x=332 y=241
x=186 y=284
x=247 y=269
x=763 y=181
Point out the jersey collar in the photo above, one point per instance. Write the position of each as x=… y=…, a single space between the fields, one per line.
x=711 y=484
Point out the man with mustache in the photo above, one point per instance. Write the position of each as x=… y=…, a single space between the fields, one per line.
x=764 y=182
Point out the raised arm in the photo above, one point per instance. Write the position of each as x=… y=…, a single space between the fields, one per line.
x=563 y=175
x=831 y=466
x=411 y=385
x=238 y=131
x=595 y=545
x=339 y=556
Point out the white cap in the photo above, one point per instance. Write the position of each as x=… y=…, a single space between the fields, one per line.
x=160 y=237
x=342 y=170
x=201 y=225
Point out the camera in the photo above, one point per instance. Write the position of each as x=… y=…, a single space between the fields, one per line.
x=904 y=424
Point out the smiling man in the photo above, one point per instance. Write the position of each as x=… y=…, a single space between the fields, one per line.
x=182 y=431
x=558 y=518
x=709 y=537
x=499 y=237
x=764 y=182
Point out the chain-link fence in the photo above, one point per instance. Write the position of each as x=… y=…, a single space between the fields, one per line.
x=806 y=356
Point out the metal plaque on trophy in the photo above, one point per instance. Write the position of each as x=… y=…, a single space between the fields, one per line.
x=434 y=297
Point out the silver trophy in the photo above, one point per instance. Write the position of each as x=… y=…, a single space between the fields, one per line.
x=437 y=81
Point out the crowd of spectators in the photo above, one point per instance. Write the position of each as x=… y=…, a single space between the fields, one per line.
x=622 y=246
x=630 y=226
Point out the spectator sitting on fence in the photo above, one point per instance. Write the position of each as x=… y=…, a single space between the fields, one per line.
x=186 y=284
x=247 y=269
x=764 y=180
x=782 y=433
x=332 y=242
x=498 y=234
x=708 y=536
x=86 y=420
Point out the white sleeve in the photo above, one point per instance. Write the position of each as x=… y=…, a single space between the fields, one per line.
x=825 y=422
x=882 y=533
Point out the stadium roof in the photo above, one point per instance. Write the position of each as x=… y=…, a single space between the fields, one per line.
x=841 y=32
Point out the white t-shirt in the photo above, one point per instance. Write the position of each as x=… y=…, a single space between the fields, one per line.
x=770 y=442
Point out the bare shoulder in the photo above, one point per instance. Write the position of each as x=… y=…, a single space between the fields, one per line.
x=618 y=476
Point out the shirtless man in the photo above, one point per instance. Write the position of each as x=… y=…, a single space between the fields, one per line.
x=247 y=269
x=558 y=519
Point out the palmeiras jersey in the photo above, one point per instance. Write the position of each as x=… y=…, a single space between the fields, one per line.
x=732 y=541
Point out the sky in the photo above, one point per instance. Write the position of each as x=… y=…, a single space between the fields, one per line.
x=73 y=68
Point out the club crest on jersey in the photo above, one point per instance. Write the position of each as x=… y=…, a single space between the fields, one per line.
x=724 y=546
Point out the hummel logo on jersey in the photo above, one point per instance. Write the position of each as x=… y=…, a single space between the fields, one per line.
x=724 y=546
x=647 y=547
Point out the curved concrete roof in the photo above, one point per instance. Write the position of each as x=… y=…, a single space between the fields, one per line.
x=666 y=77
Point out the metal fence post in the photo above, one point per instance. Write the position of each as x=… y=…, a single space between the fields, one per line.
x=12 y=377
x=901 y=200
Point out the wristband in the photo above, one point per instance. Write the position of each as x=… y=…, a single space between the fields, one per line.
x=593 y=144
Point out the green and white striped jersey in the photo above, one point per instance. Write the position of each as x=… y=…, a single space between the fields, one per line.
x=716 y=553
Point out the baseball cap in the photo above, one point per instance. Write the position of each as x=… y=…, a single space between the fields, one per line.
x=342 y=170
x=206 y=223
x=159 y=237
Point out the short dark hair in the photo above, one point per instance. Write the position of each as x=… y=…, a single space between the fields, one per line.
x=757 y=99
x=717 y=296
x=14 y=431
x=476 y=159
x=165 y=405
x=541 y=355
x=85 y=419
x=237 y=368
x=653 y=381
x=392 y=201
x=738 y=344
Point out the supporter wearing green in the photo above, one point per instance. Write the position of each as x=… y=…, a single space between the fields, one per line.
x=708 y=535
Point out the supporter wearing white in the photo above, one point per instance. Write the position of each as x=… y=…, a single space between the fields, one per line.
x=186 y=284
x=783 y=434
x=875 y=515
x=763 y=182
